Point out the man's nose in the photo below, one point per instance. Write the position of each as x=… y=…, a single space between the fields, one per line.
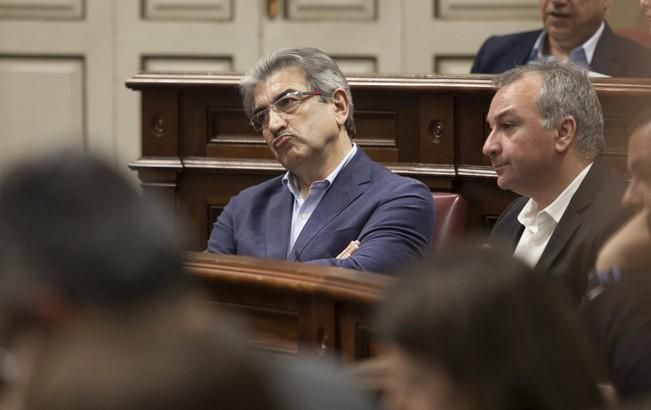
x=276 y=121
x=491 y=147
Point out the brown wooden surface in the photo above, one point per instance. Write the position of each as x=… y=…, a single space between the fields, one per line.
x=199 y=151
x=295 y=307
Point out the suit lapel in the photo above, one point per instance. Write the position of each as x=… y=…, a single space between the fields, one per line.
x=278 y=224
x=522 y=49
x=571 y=219
x=606 y=58
x=350 y=183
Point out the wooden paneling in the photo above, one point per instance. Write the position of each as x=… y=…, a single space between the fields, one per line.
x=195 y=10
x=295 y=307
x=42 y=9
x=487 y=9
x=427 y=127
x=42 y=103
x=336 y=10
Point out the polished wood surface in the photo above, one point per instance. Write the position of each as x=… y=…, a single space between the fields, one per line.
x=295 y=307
x=198 y=149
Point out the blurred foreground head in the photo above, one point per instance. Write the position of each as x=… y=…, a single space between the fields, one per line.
x=74 y=232
x=476 y=329
x=166 y=357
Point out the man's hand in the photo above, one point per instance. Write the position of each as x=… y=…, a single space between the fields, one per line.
x=629 y=248
x=350 y=249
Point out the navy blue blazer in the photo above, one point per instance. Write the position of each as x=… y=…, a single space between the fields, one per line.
x=392 y=217
x=614 y=55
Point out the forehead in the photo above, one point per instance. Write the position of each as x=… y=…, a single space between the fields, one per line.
x=286 y=78
x=639 y=147
x=521 y=96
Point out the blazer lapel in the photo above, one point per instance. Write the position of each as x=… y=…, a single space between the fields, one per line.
x=350 y=183
x=278 y=224
x=606 y=58
x=571 y=219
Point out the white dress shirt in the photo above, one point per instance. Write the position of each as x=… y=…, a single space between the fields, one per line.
x=539 y=225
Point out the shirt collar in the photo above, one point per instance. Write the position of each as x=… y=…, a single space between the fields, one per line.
x=289 y=179
x=588 y=47
x=557 y=208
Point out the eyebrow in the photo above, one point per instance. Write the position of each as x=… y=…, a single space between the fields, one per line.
x=278 y=97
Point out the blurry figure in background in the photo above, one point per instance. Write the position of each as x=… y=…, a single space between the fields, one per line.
x=575 y=31
x=617 y=308
x=476 y=329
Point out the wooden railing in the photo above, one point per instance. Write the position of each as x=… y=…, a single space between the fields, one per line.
x=295 y=307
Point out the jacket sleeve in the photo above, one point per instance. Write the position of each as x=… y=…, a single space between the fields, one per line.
x=399 y=230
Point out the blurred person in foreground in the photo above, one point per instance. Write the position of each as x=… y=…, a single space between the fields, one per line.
x=476 y=329
x=545 y=144
x=617 y=307
x=334 y=205
x=85 y=260
x=99 y=312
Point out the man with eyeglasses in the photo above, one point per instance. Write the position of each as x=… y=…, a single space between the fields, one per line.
x=334 y=205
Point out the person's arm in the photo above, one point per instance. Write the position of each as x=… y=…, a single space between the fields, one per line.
x=221 y=237
x=399 y=230
x=629 y=248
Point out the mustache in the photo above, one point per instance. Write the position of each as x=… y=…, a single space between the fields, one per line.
x=282 y=133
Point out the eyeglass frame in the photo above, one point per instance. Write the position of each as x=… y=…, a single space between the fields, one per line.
x=274 y=106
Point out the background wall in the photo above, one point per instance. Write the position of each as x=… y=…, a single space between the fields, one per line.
x=63 y=63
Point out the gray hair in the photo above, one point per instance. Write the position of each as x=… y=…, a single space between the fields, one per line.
x=321 y=73
x=566 y=91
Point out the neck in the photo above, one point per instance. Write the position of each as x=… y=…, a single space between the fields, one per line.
x=567 y=172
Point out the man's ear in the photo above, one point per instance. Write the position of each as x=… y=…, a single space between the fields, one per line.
x=341 y=105
x=565 y=134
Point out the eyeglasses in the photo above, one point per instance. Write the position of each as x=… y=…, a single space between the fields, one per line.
x=287 y=104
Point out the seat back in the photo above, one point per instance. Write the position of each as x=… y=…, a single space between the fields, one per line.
x=451 y=211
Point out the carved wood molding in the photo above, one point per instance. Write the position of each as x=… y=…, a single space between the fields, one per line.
x=295 y=277
x=407 y=82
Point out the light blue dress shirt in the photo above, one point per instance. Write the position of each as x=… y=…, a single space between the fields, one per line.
x=581 y=55
x=304 y=207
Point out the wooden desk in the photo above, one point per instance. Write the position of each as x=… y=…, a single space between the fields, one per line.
x=294 y=307
x=198 y=149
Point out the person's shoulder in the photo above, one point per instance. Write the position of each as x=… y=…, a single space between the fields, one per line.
x=264 y=188
x=627 y=44
x=509 y=39
x=390 y=180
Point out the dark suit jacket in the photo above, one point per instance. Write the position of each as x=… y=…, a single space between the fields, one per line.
x=619 y=322
x=614 y=55
x=392 y=217
x=592 y=215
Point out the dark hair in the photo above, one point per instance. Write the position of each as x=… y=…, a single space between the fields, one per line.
x=505 y=335
x=71 y=223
